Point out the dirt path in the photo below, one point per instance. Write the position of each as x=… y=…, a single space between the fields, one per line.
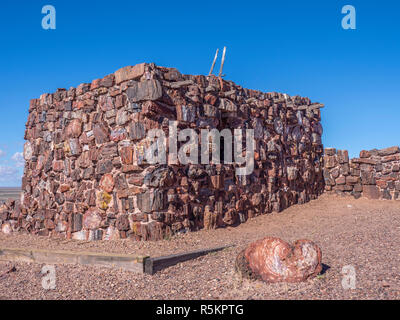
x=362 y=233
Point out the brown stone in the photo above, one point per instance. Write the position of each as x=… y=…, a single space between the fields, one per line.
x=358 y=188
x=335 y=172
x=129 y=73
x=107 y=81
x=122 y=223
x=210 y=219
x=330 y=161
x=367 y=177
x=109 y=150
x=340 y=180
x=217 y=182
x=130 y=168
x=364 y=160
x=106 y=103
x=211 y=99
x=146 y=90
x=118 y=134
x=135 y=190
x=343 y=187
x=74 y=129
x=371 y=192
x=136 y=179
x=345 y=169
x=76 y=222
x=136 y=131
x=104 y=167
x=274 y=260
x=330 y=151
x=381 y=183
x=352 y=180
x=389 y=151
x=393 y=157
x=122 y=117
x=343 y=156
x=126 y=154
x=365 y=154
x=58 y=166
x=173 y=75
x=101 y=134
x=64 y=188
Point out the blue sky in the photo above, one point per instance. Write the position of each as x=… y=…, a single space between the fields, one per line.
x=295 y=47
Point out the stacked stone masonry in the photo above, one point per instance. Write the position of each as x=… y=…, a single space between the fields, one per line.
x=86 y=176
x=374 y=175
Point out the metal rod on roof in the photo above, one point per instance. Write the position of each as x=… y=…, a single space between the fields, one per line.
x=213 y=64
x=222 y=62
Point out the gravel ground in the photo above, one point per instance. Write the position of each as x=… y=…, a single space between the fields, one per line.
x=362 y=233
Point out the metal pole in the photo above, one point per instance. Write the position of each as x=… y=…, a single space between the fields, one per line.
x=213 y=64
x=222 y=62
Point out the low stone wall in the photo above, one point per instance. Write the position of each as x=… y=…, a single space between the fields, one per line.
x=86 y=176
x=374 y=175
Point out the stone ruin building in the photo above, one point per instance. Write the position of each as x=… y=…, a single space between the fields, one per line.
x=374 y=175
x=86 y=175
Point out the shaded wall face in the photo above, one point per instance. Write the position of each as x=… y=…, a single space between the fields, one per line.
x=374 y=175
x=87 y=177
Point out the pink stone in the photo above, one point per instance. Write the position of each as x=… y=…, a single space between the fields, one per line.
x=106 y=103
x=107 y=183
x=80 y=235
x=341 y=180
x=6 y=228
x=74 y=129
x=95 y=84
x=58 y=166
x=100 y=133
x=112 y=233
x=91 y=219
x=274 y=260
x=28 y=151
x=118 y=134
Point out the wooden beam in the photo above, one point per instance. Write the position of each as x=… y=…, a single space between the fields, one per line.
x=213 y=64
x=222 y=63
x=124 y=261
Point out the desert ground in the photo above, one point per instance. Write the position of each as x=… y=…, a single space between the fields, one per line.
x=364 y=234
x=6 y=193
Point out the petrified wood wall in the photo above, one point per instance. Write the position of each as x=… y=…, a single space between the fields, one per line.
x=86 y=176
x=374 y=175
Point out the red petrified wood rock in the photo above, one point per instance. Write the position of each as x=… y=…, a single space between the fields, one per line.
x=274 y=260
x=107 y=183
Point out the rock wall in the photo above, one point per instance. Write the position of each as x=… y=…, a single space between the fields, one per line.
x=374 y=175
x=86 y=176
